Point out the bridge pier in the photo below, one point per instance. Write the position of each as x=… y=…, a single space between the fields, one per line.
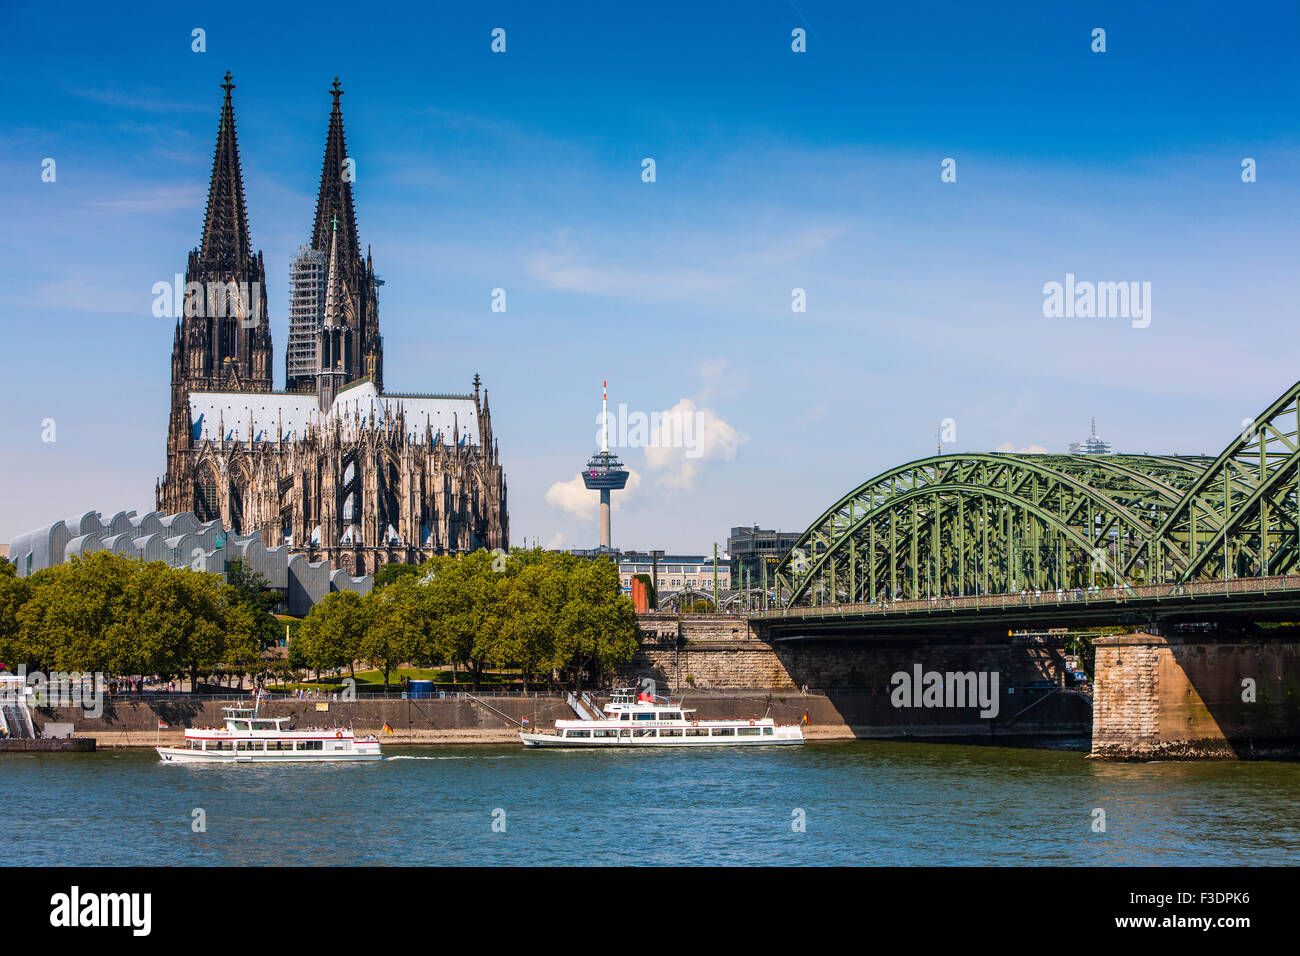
x=1195 y=698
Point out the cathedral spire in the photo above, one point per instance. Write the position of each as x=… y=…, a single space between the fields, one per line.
x=337 y=300
x=335 y=197
x=225 y=243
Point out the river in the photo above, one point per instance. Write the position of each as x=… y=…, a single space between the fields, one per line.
x=861 y=802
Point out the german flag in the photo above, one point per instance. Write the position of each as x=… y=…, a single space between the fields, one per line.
x=387 y=729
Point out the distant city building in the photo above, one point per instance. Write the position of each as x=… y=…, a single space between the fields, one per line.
x=1092 y=445
x=676 y=571
x=750 y=547
x=182 y=541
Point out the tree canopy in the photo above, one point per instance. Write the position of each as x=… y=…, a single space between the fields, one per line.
x=537 y=611
x=534 y=610
x=108 y=613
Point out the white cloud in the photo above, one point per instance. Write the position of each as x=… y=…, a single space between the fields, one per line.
x=1028 y=450
x=692 y=272
x=719 y=378
x=573 y=498
x=159 y=199
x=699 y=435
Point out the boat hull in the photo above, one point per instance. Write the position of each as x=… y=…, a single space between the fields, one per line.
x=184 y=755
x=551 y=740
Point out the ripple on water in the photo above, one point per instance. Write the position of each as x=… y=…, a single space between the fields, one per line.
x=863 y=802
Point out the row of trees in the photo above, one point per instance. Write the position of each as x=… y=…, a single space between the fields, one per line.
x=115 y=615
x=533 y=610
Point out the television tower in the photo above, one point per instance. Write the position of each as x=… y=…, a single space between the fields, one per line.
x=605 y=473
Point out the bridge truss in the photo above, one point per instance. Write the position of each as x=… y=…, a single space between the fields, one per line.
x=960 y=525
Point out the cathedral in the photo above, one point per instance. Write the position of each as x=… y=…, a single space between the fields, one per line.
x=333 y=466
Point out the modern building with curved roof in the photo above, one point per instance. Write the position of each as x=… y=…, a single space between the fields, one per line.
x=182 y=541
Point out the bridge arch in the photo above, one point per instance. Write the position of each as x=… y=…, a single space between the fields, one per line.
x=961 y=524
x=997 y=523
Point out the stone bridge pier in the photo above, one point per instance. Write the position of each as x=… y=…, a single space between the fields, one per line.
x=1195 y=697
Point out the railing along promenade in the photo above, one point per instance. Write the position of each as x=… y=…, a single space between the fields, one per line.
x=234 y=695
x=1147 y=593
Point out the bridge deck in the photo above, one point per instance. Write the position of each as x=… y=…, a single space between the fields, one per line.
x=1245 y=599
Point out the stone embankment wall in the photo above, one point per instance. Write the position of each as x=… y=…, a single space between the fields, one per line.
x=1189 y=698
x=708 y=654
x=720 y=667
x=134 y=721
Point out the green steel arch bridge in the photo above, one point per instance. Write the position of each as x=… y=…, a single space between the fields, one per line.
x=974 y=531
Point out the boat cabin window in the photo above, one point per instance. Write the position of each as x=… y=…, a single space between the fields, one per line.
x=625 y=717
x=669 y=715
x=645 y=716
x=767 y=731
x=724 y=731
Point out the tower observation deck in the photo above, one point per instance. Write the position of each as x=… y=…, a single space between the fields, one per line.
x=604 y=472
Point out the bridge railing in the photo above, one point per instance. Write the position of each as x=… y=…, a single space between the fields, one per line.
x=1062 y=597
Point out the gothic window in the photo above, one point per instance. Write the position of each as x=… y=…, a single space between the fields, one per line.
x=236 y=507
x=207 y=501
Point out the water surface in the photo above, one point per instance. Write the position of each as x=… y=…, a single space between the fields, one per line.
x=863 y=802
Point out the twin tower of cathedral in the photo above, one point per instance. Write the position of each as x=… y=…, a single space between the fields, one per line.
x=333 y=466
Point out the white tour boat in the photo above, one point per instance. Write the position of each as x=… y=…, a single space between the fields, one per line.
x=250 y=738
x=635 y=717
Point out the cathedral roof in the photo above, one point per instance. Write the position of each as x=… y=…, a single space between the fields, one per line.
x=295 y=411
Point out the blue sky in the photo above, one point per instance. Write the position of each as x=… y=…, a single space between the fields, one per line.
x=775 y=170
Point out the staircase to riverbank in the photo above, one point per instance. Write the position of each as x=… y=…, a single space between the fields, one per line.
x=17 y=722
x=584 y=708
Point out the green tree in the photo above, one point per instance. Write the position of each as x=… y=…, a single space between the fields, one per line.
x=254 y=592
x=532 y=599
x=597 y=625
x=398 y=625
x=392 y=571
x=13 y=594
x=331 y=634
x=67 y=621
x=466 y=602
